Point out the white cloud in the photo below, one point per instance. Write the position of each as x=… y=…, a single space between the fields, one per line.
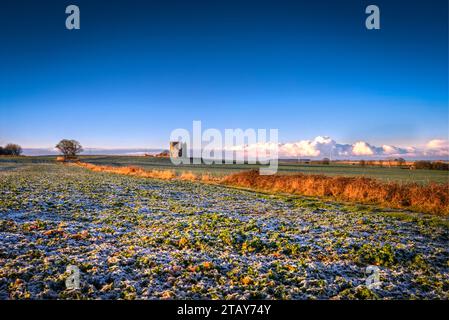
x=437 y=144
x=308 y=148
x=323 y=146
x=361 y=148
x=389 y=149
x=437 y=147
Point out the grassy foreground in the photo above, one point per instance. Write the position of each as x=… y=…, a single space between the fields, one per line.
x=142 y=238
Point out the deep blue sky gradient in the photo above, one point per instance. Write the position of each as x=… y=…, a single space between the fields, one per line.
x=139 y=69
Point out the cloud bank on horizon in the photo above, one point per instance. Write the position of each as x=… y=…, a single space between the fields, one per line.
x=323 y=146
x=317 y=148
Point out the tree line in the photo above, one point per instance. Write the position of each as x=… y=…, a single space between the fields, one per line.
x=435 y=165
x=11 y=149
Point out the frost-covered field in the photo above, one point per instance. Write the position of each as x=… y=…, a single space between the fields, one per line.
x=149 y=239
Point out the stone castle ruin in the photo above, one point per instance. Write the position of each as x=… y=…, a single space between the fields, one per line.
x=177 y=149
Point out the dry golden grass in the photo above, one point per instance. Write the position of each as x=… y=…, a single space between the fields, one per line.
x=154 y=174
x=189 y=176
x=132 y=171
x=430 y=198
x=208 y=178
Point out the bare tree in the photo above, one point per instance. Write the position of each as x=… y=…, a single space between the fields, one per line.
x=69 y=148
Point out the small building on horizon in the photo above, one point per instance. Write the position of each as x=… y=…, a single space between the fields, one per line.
x=177 y=149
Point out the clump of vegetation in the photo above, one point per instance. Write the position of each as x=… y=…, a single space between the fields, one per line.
x=11 y=149
x=325 y=161
x=361 y=293
x=69 y=148
x=376 y=255
x=435 y=165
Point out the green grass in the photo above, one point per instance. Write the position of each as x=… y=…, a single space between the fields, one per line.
x=385 y=174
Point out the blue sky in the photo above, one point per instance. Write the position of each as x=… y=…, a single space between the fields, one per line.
x=139 y=69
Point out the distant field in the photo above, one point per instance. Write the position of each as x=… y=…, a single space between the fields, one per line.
x=385 y=174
